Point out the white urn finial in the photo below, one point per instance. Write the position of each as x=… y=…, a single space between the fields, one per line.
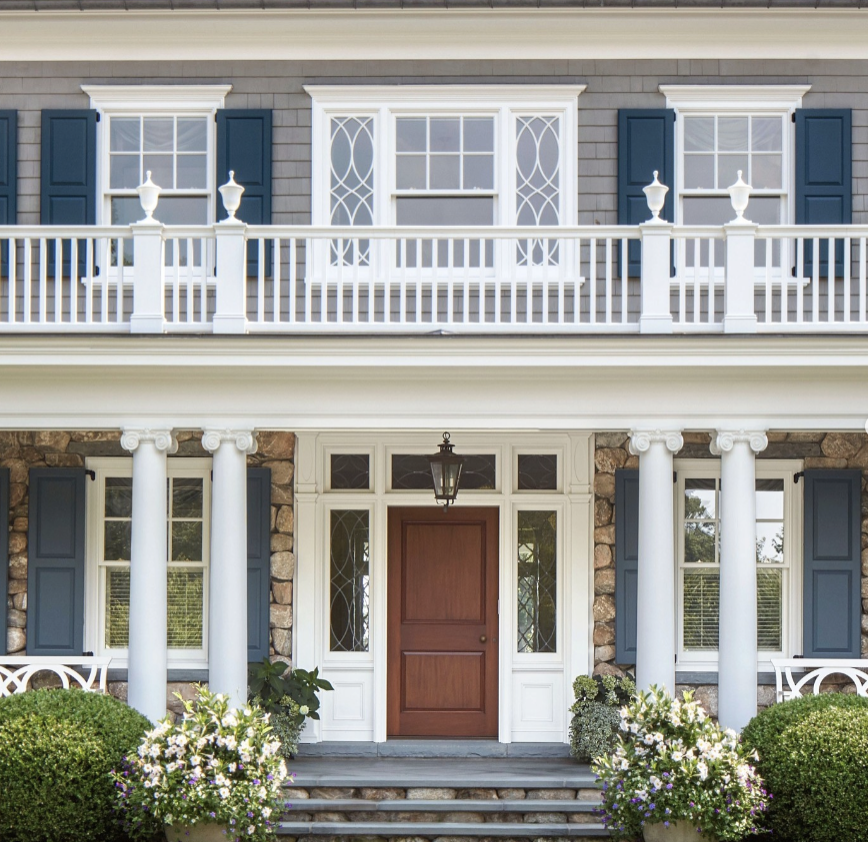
x=231 y=195
x=655 y=193
x=739 y=195
x=149 y=195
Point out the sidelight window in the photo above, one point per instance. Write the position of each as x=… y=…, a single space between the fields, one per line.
x=350 y=590
x=537 y=581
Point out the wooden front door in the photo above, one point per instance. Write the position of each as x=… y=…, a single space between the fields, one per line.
x=442 y=633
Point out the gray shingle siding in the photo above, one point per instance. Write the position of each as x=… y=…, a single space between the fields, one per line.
x=279 y=85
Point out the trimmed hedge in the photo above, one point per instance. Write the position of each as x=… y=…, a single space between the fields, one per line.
x=57 y=748
x=813 y=755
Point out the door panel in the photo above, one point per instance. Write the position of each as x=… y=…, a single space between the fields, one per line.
x=442 y=605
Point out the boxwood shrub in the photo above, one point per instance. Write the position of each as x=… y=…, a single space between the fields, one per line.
x=813 y=755
x=57 y=748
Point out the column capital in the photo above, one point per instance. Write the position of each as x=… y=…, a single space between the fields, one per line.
x=244 y=440
x=641 y=440
x=162 y=439
x=722 y=441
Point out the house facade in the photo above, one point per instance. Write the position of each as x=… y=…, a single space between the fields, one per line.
x=660 y=397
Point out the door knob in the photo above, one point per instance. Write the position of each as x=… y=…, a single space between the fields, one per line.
x=483 y=638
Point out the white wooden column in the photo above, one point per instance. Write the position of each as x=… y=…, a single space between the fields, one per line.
x=227 y=604
x=737 y=658
x=148 y=657
x=655 y=626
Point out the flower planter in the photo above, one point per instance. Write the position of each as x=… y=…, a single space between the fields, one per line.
x=682 y=831
x=204 y=832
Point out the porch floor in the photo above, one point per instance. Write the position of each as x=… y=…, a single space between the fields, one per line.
x=434 y=772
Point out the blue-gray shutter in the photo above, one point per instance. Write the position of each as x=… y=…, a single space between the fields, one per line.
x=244 y=146
x=8 y=167
x=646 y=142
x=824 y=182
x=832 y=582
x=626 y=563
x=55 y=565
x=4 y=554
x=68 y=175
x=258 y=561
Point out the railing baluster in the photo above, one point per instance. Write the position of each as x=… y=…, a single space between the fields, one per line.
x=119 y=296
x=435 y=286
x=785 y=280
x=862 y=278
x=800 y=286
x=43 y=279
x=104 y=292
x=58 y=280
x=28 y=280
x=73 y=280
x=592 y=304
x=697 y=294
x=846 y=314
x=465 y=256
x=260 y=280
x=815 y=292
x=88 y=290
x=418 y=281
x=12 y=257
x=291 y=256
x=682 y=280
x=768 y=280
x=711 y=271
x=830 y=280
x=275 y=280
x=402 y=281
x=450 y=279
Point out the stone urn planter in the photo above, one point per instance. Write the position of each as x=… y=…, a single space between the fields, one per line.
x=681 y=831
x=204 y=832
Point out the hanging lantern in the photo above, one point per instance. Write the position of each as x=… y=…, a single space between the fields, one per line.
x=446 y=473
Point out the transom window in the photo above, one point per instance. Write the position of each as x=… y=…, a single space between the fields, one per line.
x=188 y=509
x=699 y=559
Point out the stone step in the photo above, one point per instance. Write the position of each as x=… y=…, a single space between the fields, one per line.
x=406 y=805
x=441 y=830
x=433 y=748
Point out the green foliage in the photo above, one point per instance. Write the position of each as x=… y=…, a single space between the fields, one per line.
x=57 y=748
x=813 y=755
x=595 y=720
x=673 y=763
x=270 y=687
x=286 y=725
x=218 y=766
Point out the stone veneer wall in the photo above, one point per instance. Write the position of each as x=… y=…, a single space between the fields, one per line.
x=819 y=450
x=20 y=451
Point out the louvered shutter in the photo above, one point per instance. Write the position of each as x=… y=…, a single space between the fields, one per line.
x=8 y=167
x=258 y=561
x=626 y=563
x=68 y=176
x=646 y=142
x=244 y=147
x=832 y=553
x=55 y=567
x=824 y=189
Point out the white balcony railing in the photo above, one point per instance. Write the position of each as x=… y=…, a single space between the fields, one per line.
x=234 y=278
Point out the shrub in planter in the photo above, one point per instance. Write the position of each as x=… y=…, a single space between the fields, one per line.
x=672 y=765
x=57 y=749
x=596 y=715
x=813 y=754
x=216 y=770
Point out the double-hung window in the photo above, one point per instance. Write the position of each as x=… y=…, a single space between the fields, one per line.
x=698 y=547
x=721 y=131
x=188 y=518
x=462 y=158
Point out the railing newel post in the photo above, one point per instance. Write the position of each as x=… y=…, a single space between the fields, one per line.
x=230 y=313
x=739 y=308
x=148 y=314
x=656 y=313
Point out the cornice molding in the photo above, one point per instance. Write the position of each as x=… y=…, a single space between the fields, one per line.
x=156 y=97
x=466 y=93
x=734 y=97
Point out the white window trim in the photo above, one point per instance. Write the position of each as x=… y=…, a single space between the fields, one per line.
x=386 y=102
x=122 y=466
x=792 y=597
x=767 y=100
x=154 y=100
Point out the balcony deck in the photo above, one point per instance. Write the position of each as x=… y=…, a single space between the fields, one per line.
x=233 y=278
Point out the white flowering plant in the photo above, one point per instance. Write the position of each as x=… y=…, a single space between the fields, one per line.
x=217 y=765
x=671 y=763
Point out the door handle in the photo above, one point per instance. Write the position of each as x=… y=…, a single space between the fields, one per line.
x=483 y=638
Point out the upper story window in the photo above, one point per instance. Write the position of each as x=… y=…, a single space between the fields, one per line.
x=168 y=130
x=449 y=156
x=721 y=129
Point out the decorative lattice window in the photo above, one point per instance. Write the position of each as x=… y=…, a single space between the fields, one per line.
x=351 y=184
x=538 y=184
x=537 y=581
x=412 y=472
x=350 y=471
x=537 y=472
x=349 y=566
